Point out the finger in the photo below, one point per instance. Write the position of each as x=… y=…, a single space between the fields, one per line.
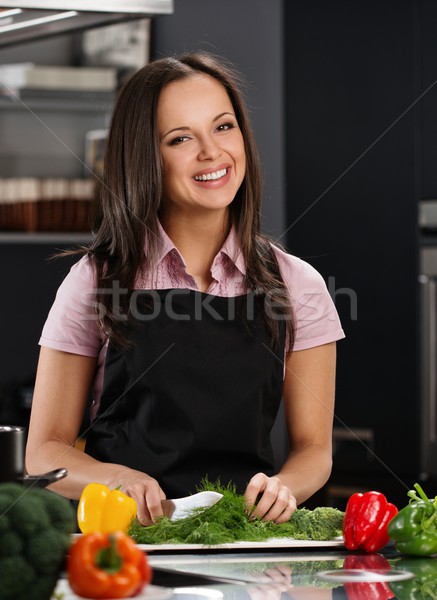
x=284 y=517
x=147 y=495
x=286 y=571
x=272 y=502
x=143 y=514
x=281 y=508
x=154 y=505
x=277 y=576
x=287 y=512
x=255 y=486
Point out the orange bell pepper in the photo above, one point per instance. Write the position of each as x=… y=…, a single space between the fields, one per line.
x=104 y=510
x=101 y=565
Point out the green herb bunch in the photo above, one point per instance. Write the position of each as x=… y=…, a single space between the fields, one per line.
x=228 y=521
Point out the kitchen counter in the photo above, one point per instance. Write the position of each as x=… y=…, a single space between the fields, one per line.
x=319 y=574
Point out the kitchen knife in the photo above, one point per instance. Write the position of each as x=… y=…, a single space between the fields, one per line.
x=180 y=508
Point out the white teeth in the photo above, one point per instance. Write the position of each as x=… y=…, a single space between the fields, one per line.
x=209 y=176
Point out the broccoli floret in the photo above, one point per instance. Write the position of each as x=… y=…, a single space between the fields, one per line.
x=60 y=511
x=28 y=515
x=13 y=490
x=5 y=504
x=35 y=526
x=322 y=523
x=11 y=543
x=43 y=588
x=47 y=549
x=299 y=521
x=325 y=523
x=16 y=575
x=7 y=499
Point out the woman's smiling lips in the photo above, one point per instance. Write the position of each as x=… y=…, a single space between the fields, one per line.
x=213 y=177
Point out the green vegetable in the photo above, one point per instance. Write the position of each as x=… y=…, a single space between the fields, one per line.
x=35 y=527
x=414 y=528
x=424 y=584
x=322 y=523
x=228 y=521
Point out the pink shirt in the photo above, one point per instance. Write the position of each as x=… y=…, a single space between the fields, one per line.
x=72 y=325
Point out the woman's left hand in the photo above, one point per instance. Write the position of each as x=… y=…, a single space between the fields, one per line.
x=276 y=502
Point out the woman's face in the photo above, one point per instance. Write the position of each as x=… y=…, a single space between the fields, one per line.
x=202 y=147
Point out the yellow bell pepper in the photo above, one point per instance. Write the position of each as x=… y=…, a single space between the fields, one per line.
x=103 y=510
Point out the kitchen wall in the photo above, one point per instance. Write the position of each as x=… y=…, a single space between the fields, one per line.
x=361 y=154
x=42 y=140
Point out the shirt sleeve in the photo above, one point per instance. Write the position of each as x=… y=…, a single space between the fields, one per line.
x=72 y=323
x=315 y=317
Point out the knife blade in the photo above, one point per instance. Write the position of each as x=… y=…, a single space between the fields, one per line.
x=180 y=508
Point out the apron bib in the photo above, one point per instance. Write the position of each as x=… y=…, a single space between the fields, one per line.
x=195 y=395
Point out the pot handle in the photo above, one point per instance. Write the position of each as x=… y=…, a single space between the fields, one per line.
x=44 y=479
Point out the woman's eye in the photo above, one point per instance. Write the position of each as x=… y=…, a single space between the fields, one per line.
x=225 y=126
x=179 y=140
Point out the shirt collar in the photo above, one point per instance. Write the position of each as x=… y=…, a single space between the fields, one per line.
x=166 y=246
x=230 y=248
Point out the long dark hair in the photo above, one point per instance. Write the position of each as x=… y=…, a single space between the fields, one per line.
x=132 y=193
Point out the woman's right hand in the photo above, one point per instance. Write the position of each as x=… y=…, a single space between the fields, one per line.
x=145 y=490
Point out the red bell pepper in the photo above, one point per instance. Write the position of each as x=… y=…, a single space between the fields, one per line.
x=374 y=590
x=366 y=519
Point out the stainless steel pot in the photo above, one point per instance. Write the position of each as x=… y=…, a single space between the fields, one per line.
x=12 y=444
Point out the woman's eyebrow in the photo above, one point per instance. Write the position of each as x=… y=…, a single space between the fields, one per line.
x=184 y=128
x=222 y=115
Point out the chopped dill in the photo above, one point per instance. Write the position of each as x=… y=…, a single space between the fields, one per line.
x=227 y=521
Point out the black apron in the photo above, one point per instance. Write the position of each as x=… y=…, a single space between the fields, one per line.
x=196 y=393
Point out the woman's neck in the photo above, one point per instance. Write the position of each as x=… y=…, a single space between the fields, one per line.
x=198 y=239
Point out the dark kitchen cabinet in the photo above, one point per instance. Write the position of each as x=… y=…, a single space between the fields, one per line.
x=428 y=114
x=29 y=283
x=361 y=152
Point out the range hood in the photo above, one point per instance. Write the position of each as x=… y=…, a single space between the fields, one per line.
x=25 y=20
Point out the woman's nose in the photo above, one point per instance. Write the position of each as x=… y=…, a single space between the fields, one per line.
x=208 y=149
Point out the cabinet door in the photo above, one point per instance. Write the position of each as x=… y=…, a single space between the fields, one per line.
x=351 y=211
x=427 y=62
x=29 y=284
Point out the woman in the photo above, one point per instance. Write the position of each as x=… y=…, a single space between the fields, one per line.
x=180 y=315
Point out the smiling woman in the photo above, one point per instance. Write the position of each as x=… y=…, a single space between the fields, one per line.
x=190 y=390
x=202 y=150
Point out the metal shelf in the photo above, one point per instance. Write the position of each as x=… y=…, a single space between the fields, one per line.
x=136 y=7
x=40 y=19
x=59 y=101
x=24 y=237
